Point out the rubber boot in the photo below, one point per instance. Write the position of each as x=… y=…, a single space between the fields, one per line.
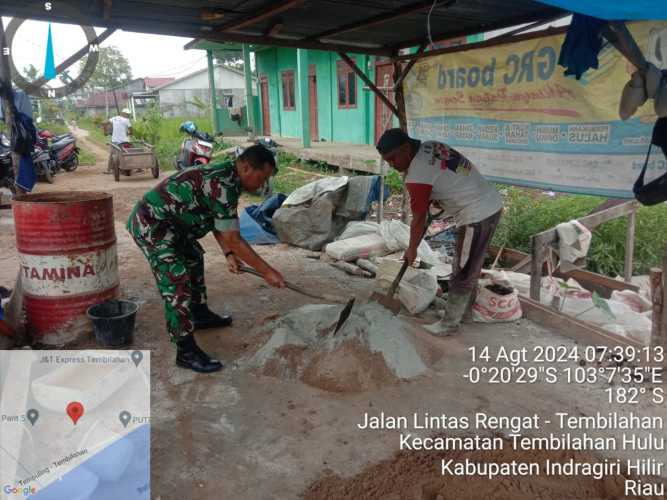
x=467 y=315
x=189 y=355
x=204 y=318
x=456 y=306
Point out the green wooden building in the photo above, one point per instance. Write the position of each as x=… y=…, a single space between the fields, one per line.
x=310 y=95
x=294 y=83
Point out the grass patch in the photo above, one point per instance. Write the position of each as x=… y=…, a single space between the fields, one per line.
x=528 y=212
x=87 y=158
x=95 y=131
x=55 y=128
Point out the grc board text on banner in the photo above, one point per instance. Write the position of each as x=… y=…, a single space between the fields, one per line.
x=510 y=109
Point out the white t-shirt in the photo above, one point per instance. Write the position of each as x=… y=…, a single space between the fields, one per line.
x=440 y=173
x=120 y=126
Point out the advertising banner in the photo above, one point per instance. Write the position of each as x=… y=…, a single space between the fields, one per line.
x=511 y=110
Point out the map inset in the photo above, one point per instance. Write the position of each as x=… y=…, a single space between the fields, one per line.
x=75 y=425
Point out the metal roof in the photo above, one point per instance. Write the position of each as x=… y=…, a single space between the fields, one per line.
x=367 y=26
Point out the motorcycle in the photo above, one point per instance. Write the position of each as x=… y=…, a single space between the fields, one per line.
x=6 y=166
x=45 y=165
x=62 y=149
x=196 y=148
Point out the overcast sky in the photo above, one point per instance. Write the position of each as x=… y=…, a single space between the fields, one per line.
x=149 y=55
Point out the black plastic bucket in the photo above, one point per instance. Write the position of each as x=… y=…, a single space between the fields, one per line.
x=113 y=322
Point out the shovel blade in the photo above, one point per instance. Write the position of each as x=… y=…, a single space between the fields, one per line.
x=344 y=314
x=394 y=305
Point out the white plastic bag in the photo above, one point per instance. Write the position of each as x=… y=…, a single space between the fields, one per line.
x=314 y=190
x=365 y=246
x=635 y=301
x=574 y=240
x=492 y=307
x=359 y=228
x=417 y=288
x=396 y=235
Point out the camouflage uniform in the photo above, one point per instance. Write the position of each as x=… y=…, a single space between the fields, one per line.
x=166 y=225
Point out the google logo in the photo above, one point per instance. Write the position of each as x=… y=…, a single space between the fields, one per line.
x=26 y=491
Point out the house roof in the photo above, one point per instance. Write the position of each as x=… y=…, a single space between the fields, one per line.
x=198 y=72
x=379 y=27
x=100 y=99
x=153 y=83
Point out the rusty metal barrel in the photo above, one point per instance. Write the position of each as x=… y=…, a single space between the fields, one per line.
x=67 y=253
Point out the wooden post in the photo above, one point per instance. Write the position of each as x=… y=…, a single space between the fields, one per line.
x=380 y=214
x=656 y=299
x=247 y=73
x=399 y=97
x=303 y=97
x=630 y=245
x=540 y=247
x=211 y=89
x=659 y=331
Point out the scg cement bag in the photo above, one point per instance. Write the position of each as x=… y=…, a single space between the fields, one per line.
x=496 y=304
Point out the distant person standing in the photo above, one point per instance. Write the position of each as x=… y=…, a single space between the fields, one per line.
x=121 y=129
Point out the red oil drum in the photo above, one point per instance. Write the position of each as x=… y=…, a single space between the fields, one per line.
x=67 y=253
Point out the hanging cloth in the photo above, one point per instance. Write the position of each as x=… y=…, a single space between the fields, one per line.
x=582 y=45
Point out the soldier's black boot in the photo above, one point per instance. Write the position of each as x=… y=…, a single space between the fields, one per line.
x=204 y=318
x=189 y=355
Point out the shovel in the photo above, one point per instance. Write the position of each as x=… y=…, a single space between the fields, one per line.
x=342 y=317
x=388 y=300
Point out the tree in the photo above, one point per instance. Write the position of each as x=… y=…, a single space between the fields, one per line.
x=112 y=71
x=30 y=73
x=230 y=58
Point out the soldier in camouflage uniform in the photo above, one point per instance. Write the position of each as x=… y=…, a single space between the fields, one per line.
x=166 y=225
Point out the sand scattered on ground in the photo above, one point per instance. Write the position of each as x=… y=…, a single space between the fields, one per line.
x=415 y=475
x=373 y=349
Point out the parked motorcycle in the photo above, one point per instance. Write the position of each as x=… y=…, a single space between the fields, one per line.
x=6 y=167
x=196 y=148
x=62 y=149
x=45 y=165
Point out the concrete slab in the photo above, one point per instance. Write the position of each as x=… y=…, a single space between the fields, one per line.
x=361 y=157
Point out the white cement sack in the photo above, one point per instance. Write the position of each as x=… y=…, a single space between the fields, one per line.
x=635 y=325
x=510 y=279
x=355 y=206
x=359 y=228
x=396 y=235
x=492 y=307
x=314 y=190
x=574 y=240
x=307 y=226
x=350 y=249
x=417 y=288
x=634 y=300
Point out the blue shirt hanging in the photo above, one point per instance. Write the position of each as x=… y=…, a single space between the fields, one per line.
x=581 y=46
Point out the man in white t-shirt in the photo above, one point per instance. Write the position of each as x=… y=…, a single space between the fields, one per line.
x=121 y=129
x=440 y=174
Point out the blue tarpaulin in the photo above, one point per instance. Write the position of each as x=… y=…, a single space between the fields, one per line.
x=615 y=11
x=256 y=224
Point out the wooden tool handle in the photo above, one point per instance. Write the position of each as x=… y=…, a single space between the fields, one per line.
x=404 y=267
x=292 y=286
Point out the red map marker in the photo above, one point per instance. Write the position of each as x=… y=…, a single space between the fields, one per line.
x=75 y=411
